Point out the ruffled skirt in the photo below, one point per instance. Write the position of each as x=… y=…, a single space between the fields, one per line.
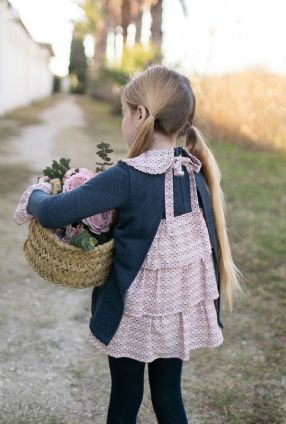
x=167 y=313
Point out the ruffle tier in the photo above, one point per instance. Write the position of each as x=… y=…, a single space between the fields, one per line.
x=167 y=313
x=168 y=336
x=176 y=289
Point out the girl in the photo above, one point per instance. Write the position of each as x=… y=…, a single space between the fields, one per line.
x=173 y=260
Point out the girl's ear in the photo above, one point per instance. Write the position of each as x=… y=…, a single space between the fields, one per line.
x=141 y=112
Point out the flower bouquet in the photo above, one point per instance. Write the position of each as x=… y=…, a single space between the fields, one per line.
x=79 y=255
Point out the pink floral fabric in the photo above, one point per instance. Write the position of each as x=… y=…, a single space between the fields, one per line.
x=169 y=307
x=21 y=216
x=157 y=161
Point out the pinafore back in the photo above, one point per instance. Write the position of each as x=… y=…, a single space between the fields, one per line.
x=169 y=307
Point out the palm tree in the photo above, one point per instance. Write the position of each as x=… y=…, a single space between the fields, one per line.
x=104 y=16
x=156 y=11
x=99 y=18
x=132 y=10
x=129 y=12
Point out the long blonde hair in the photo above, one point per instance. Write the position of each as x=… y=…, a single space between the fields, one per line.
x=168 y=96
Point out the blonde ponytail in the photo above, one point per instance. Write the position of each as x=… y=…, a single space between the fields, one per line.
x=143 y=139
x=230 y=275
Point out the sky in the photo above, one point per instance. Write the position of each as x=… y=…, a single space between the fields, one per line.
x=217 y=36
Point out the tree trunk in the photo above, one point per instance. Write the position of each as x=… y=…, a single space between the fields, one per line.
x=129 y=12
x=100 y=49
x=138 y=23
x=156 y=11
x=107 y=24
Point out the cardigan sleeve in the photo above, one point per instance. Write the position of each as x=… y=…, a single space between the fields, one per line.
x=107 y=190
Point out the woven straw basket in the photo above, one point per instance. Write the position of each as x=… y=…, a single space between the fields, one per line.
x=66 y=264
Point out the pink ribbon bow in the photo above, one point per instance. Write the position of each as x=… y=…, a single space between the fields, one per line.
x=178 y=161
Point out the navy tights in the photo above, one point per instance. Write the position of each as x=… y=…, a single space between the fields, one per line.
x=127 y=387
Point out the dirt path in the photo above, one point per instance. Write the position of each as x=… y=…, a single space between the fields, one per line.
x=36 y=145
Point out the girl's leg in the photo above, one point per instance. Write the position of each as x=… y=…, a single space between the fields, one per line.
x=127 y=387
x=165 y=388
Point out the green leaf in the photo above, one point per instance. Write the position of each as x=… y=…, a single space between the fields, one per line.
x=65 y=162
x=84 y=240
x=62 y=169
x=101 y=145
x=101 y=154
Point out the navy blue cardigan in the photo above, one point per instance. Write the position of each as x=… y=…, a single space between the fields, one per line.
x=139 y=200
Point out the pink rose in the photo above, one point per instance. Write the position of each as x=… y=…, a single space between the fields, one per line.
x=100 y=222
x=77 y=179
x=69 y=173
x=87 y=172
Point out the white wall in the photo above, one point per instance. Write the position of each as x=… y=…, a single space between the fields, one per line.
x=24 y=65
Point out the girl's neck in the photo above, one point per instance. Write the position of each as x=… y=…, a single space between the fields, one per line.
x=161 y=141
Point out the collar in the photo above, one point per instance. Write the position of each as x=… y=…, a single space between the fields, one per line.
x=157 y=161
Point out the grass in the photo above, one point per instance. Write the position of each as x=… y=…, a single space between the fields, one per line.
x=248 y=388
x=102 y=125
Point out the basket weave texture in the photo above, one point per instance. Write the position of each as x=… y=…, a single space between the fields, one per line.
x=66 y=264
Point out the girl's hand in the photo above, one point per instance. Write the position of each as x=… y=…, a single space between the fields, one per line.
x=21 y=216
